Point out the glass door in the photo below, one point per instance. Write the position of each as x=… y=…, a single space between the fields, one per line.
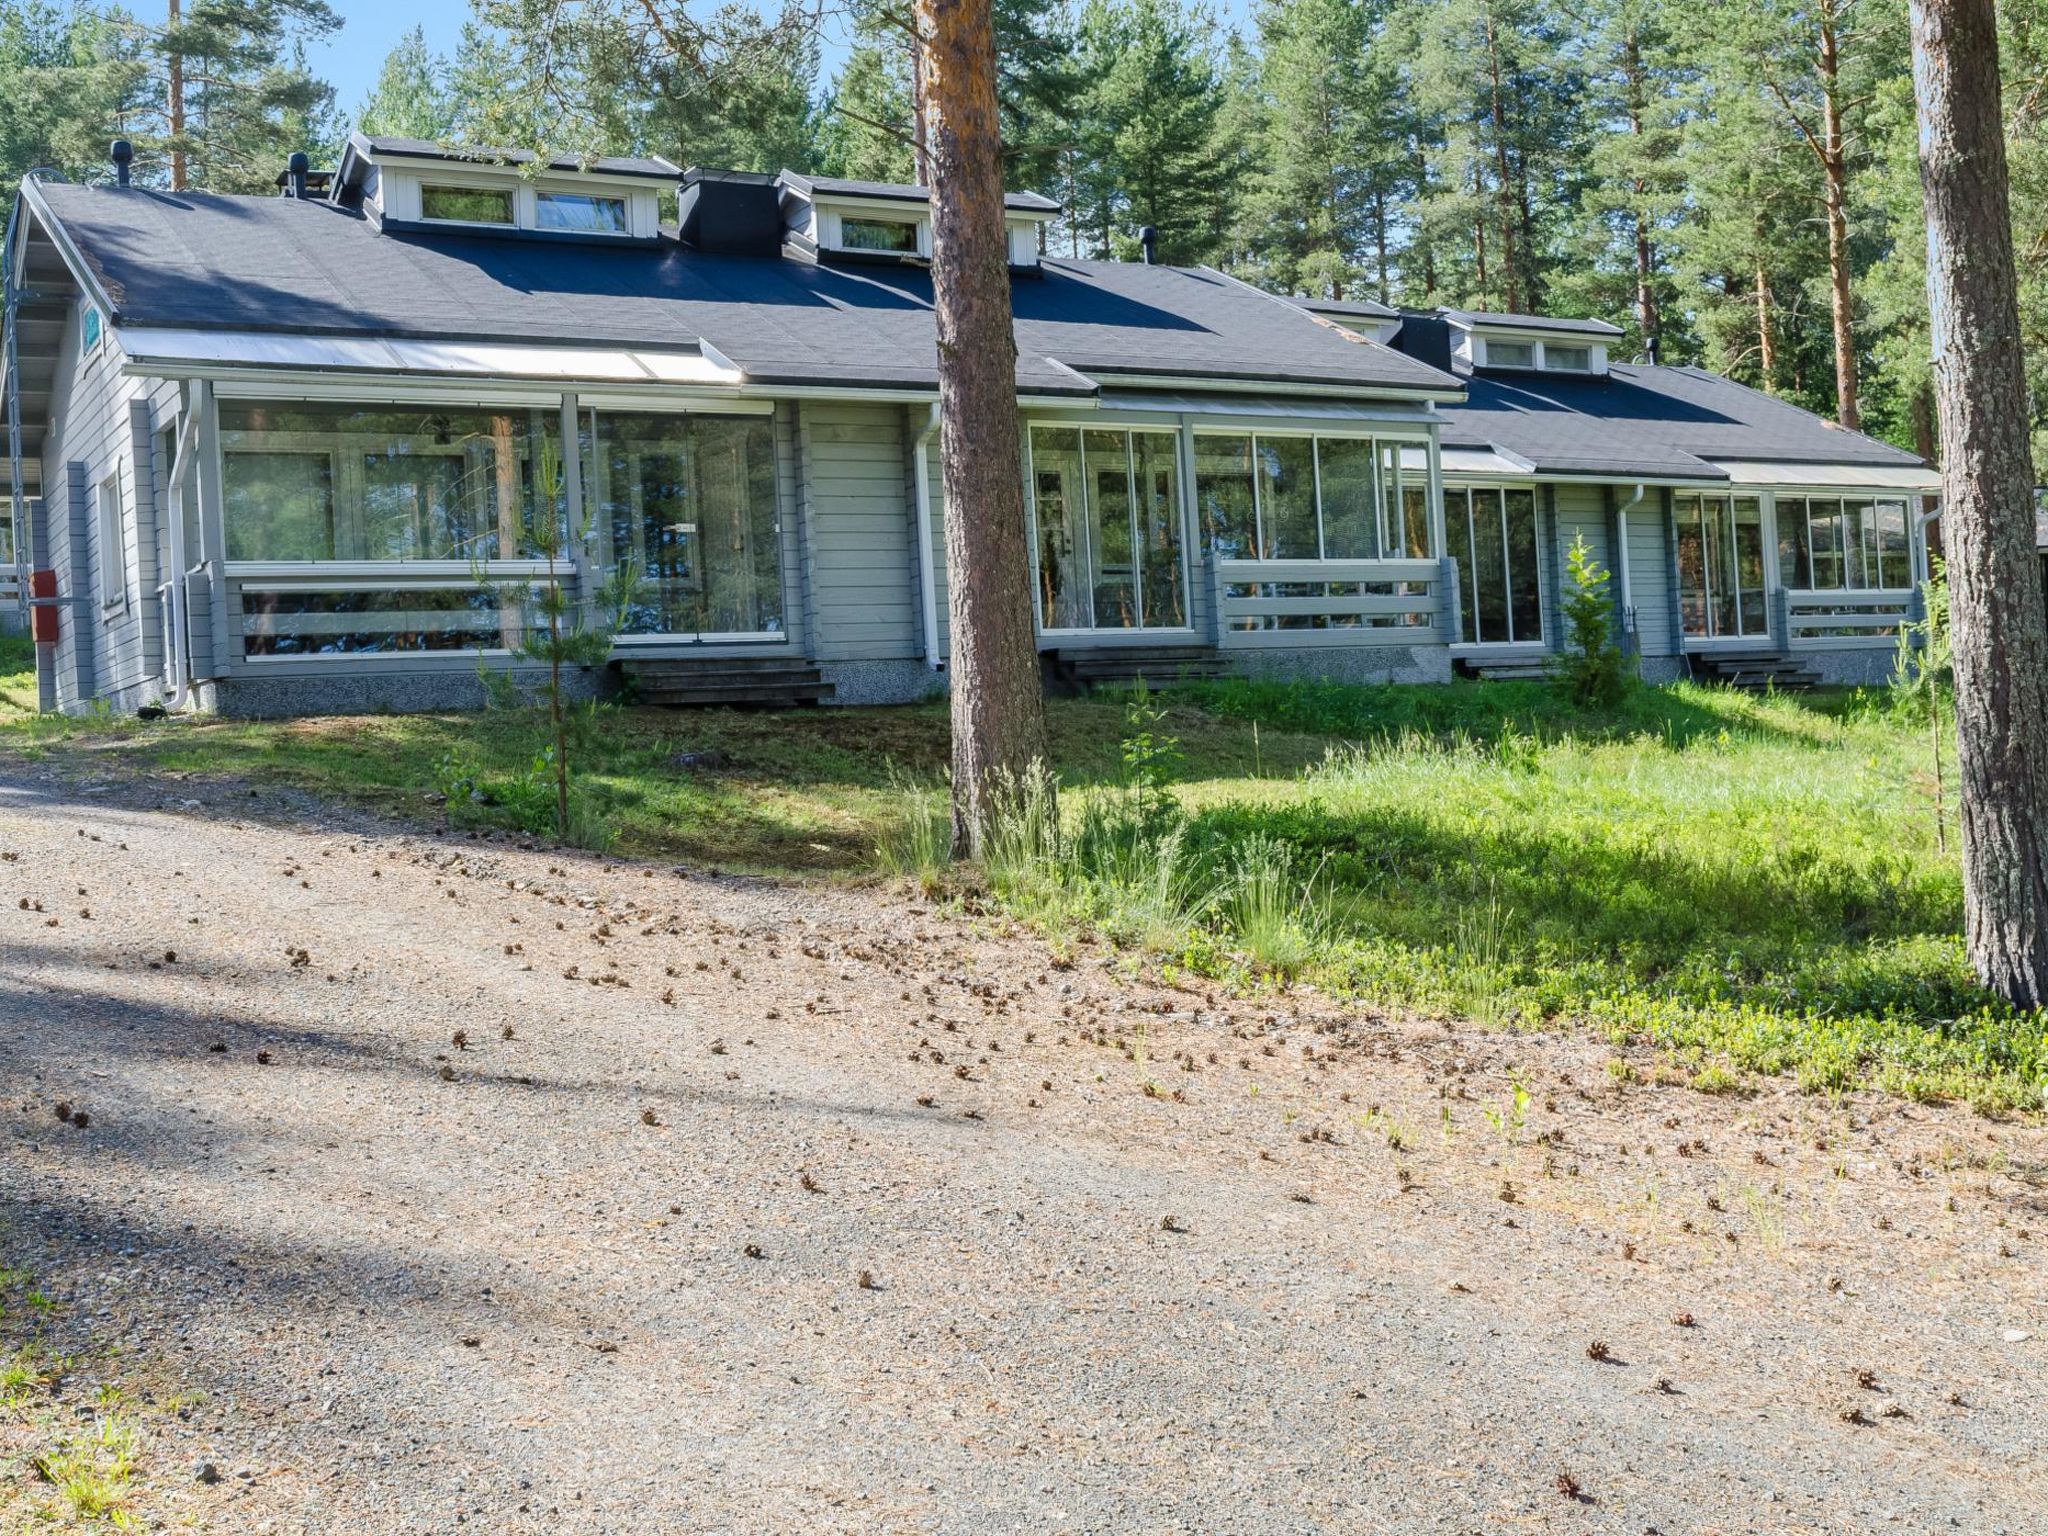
x=1106 y=505
x=1491 y=533
x=691 y=502
x=1721 y=567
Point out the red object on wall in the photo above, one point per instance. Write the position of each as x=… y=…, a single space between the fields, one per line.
x=43 y=624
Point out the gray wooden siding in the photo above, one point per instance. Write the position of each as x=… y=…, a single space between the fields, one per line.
x=1577 y=511
x=1650 y=575
x=858 y=544
x=101 y=425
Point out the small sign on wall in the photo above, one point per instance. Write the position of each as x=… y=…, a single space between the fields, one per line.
x=91 y=330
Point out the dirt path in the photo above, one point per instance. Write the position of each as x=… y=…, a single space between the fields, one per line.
x=746 y=1208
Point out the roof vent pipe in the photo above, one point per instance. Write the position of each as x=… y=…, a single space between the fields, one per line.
x=1650 y=350
x=123 y=155
x=295 y=174
x=1148 y=243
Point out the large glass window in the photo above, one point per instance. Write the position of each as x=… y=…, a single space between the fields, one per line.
x=1225 y=499
x=1834 y=544
x=466 y=205
x=314 y=481
x=1348 y=470
x=898 y=235
x=1107 y=508
x=580 y=213
x=1271 y=497
x=1721 y=566
x=690 y=500
x=1491 y=533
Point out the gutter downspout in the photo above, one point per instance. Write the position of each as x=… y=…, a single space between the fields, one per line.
x=1628 y=596
x=1923 y=558
x=183 y=462
x=928 y=583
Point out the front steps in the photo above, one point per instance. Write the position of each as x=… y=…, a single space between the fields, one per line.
x=1516 y=669
x=1076 y=669
x=729 y=682
x=1753 y=671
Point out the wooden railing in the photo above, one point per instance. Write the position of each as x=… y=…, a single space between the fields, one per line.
x=342 y=608
x=1334 y=602
x=1848 y=618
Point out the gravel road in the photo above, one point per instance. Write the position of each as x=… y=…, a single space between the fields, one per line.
x=479 y=1186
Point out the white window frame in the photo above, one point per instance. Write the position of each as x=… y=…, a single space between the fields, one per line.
x=468 y=184
x=542 y=195
x=111 y=524
x=1126 y=429
x=1468 y=573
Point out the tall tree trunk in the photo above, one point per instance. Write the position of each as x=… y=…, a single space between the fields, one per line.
x=1766 y=334
x=920 y=126
x=998 y=706
x=1999 y=627
x=1505 y=192
x=1379 y=239
x=174 y=98
x=1834 y=164
x=1646 y=252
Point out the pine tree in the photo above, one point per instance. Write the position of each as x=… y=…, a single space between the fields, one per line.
x=1320 y=201
x=410 y=99
x=65 y=78
x=227 y=93
x=1150 y=148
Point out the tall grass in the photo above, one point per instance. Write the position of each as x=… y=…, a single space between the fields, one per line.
x=1752 y=883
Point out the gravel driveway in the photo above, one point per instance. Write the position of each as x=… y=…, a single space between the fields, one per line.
x=483 y=1186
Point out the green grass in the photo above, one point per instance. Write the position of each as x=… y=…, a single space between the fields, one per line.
x=1751 y=884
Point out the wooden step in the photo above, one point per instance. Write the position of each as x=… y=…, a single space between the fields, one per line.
x=1518 y=670
x=731 y=682
x=1078 y=668
x=1756 y=672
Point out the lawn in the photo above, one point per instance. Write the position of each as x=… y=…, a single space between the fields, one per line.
x=1754 y=884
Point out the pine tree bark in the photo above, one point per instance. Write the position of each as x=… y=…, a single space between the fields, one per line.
x=1766 y=334
x=1834 y=163
x=174 y=99
x=1999 y=628
x=998 y=707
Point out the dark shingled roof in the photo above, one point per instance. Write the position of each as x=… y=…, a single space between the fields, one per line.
x=207 y=261
x=901 y=192
x=1658 y=423
x=426 y=149
x=1530 y=322
x=1368 y=307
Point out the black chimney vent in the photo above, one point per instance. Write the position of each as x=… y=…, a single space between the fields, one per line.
x=123 y=155
x=1148 y=244
x=730 y=213
x=1426 y=337
x=295 y=174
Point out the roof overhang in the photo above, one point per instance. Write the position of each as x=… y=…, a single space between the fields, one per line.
x=1116 y=378
x=1263 y=410
x=1780 y=474
x=165 y=353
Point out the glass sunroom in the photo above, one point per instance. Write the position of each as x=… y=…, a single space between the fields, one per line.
x=352 y=528
x=1271 y=533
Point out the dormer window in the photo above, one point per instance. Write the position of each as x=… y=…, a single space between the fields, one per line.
x=1567 y=359
x=413 y=184
x=898 y=235
x=1510 y=354
x=465 y=205
x=580 y=213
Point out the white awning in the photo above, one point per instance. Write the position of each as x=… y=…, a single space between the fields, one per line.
x=1857 y=477
x=1269 y=407
x=178 y=352
x=1475 y=461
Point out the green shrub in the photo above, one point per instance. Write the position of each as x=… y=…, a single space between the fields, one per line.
x=1591 y=671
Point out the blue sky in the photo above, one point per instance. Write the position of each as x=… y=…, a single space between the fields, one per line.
x=351 y=58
